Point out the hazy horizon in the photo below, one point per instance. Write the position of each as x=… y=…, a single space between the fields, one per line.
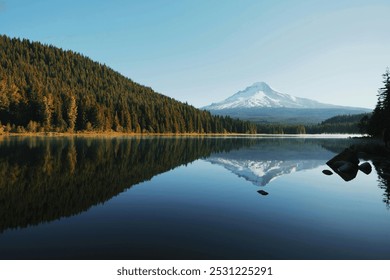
x=202 y=52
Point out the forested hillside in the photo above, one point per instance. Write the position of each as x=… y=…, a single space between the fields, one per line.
x=353 y=124
x=44 y=88
x=341 y=124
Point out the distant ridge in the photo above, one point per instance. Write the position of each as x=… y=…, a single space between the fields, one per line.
x=260 y=101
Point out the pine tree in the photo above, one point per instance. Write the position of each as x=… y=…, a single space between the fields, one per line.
x=380 y=118
x=383 y=94
x=72 y=113
x=47 y=111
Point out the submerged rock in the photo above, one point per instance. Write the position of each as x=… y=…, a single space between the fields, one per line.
x=327 y=172
x=365 y=168
x=262 y=192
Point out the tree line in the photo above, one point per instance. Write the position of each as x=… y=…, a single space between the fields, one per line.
x=375 y=124
x=338 y=124
x=44 y=88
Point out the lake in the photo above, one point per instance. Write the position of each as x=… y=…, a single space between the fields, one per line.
x=187 y=198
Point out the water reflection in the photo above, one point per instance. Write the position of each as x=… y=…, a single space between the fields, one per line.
x=383 y=170
x=201 y=211
x=48 y=178
x=268 y=159
x=379 y=155
x=347 y=163
x=45 y=179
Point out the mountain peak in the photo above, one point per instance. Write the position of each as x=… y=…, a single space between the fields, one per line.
x=259 y=94
x=260 y=101
x=261 y=85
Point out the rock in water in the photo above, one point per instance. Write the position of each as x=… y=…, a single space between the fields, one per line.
x=327 y=172
x=262 y=192
x=348 y=155
x=345 y=164
x=348 y=168
x=365 y=168
x=348 y=171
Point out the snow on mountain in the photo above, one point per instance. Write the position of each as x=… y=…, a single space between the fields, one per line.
x=261 y=95
x=262 y=172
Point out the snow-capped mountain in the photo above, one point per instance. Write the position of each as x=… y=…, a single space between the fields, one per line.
x=259 y=102
x=263 y=96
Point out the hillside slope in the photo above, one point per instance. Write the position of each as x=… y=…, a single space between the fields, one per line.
x=44 y=88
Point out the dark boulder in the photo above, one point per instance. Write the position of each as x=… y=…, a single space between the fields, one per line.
x=327 y=172
x=262 y=192
x=365 y=168
x=345 y=164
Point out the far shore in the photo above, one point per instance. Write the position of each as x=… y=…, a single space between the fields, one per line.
x=192 y=134
x=114 y=134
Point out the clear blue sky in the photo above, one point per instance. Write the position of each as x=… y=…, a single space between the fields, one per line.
x=204 y=51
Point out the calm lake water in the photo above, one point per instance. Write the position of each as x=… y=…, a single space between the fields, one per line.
x=187 y=198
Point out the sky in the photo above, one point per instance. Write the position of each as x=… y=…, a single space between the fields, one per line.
x=202 y=52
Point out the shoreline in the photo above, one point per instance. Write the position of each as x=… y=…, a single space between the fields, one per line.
x=113 y=134
x=194 y=134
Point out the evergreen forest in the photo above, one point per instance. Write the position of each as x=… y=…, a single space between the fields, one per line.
x=351 y=124
x=380 y=119
x=46 y=89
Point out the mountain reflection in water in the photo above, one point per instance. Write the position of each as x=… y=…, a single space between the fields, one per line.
x=72 y=198
x=268 y=159
x=50 y=178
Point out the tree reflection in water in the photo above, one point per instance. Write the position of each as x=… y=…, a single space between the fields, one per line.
x=379 y=155
x=382 y=168
x=44 y=179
